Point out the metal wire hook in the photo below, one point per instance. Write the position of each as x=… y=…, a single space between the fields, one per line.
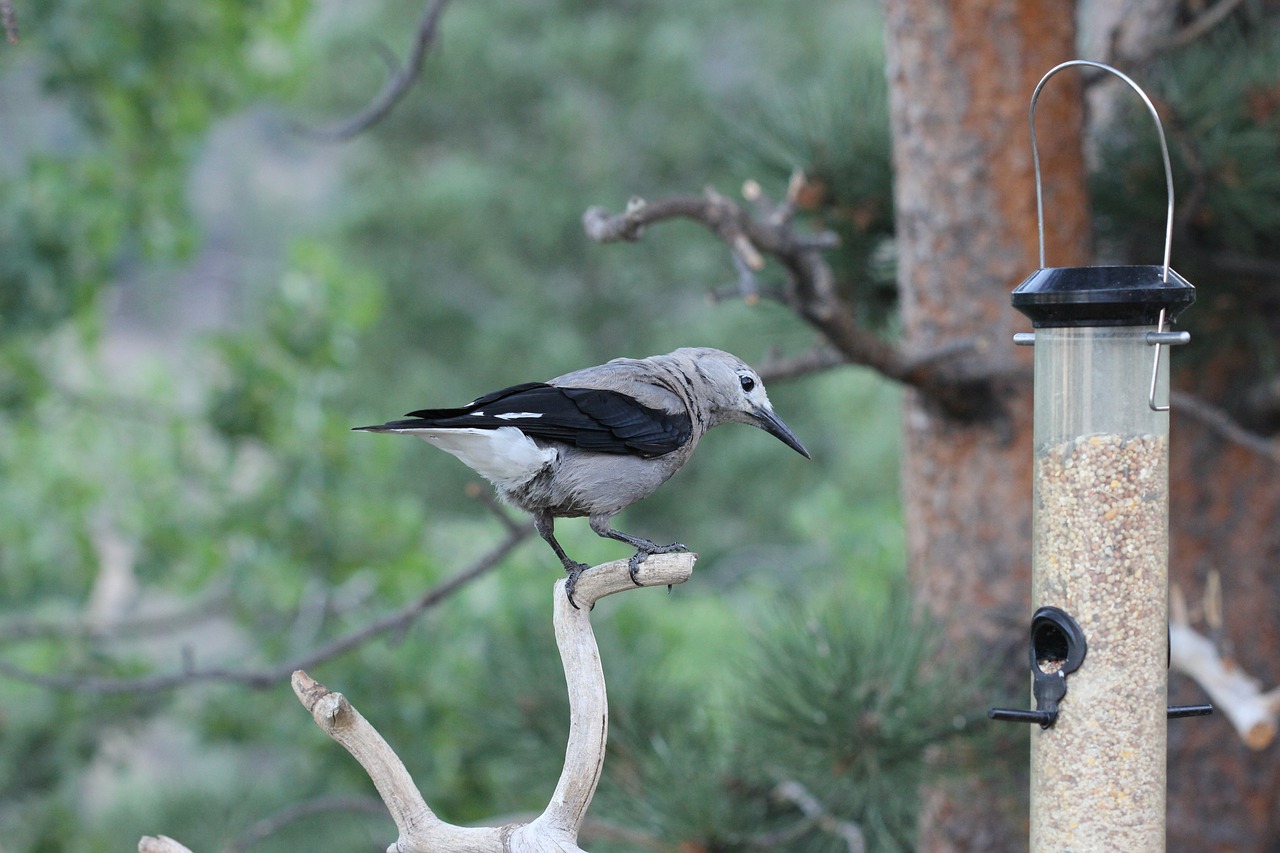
x=1164 y=152
x=1159 y=336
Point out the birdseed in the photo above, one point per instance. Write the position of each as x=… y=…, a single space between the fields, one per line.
x=1101 y=554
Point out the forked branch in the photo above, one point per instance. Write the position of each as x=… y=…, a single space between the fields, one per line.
x=556 y=829
x=1253 y=712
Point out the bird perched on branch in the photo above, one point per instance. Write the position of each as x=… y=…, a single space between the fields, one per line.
x=594 y=441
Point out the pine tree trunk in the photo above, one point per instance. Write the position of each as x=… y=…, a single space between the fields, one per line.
x=960 y=78
x=1224 y=516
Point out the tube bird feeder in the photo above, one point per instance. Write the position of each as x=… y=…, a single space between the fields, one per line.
x=1099 y=636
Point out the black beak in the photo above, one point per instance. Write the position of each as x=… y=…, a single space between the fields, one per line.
x=772 y=424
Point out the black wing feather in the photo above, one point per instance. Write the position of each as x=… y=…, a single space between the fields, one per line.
x=590 y=418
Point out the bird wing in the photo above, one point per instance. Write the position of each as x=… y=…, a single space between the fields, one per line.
x=595 y=419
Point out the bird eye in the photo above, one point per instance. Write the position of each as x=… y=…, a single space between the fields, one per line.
x=747 y=383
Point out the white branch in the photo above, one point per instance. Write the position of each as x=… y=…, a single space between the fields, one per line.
x=1234 y=692
x=556 y=829
x=160 y=844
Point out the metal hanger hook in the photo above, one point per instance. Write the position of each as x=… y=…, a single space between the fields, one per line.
x=1164 y=152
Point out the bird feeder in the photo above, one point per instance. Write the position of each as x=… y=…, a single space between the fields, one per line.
x=1099 y=636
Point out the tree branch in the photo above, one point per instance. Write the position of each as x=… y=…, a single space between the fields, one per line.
x=1206 y=21
x=810 y=288
x=556 y=829
x=273 y=675
x=399 y=81
x=161 y=844
x=1224 y=425
x=820 y=816
x=1235 y=693
x=269 y=826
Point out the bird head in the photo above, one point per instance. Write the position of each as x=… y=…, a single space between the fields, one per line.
x=736 y=394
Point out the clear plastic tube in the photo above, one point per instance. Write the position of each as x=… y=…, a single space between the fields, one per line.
x=1100 y=552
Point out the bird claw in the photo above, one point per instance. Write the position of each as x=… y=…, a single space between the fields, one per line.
x=575 y=571
x=642 y=554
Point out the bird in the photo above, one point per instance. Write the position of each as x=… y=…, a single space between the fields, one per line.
x=597 y=440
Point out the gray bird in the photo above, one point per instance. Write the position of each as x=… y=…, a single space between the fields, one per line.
x=594 y=441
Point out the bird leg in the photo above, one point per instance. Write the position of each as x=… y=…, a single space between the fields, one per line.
x=545 y=525
x=600 y=524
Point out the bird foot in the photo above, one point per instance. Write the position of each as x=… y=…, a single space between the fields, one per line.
x=575 y=571
x=642 y=554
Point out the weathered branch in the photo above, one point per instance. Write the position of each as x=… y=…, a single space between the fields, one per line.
x=399 y=81
x=819 y=815
x=1234 y=692
x=161 y=844
x=556 y=829
x=273 y=675
x=810 y=289
x=1224 y=425
x=1207 y=20
x=304 y=810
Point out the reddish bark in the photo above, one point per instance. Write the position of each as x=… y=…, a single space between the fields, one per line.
x=960 y=79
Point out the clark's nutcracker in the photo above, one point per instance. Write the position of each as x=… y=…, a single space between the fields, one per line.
x=597 y=440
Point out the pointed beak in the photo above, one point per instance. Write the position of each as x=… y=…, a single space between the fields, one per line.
x=772 y=424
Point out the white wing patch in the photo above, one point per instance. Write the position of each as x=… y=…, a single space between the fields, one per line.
x=509 y=416
x=504 y=456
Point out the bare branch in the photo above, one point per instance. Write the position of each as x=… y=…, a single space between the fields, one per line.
x=810 y=288
x=161 y=844
x=268 y=826
x=1206 y=21
x=1235 y=693
x=798 y=795
x=816 y=360
x=1224 y=425
x=556 y=829
x=399 y=81
x=273 y=675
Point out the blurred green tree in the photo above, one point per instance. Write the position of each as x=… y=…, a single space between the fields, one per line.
x=177 y=527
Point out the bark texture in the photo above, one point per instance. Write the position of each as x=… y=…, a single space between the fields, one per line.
x=960 y=79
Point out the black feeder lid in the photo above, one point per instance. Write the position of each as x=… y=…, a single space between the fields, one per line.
x=1102 y=296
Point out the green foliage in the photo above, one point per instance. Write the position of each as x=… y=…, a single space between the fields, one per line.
x=1220 y=102
x=843 y=698
x=853 y=695
x=449 y=260
x=835 y=130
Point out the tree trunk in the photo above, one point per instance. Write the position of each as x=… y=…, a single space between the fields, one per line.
x=1225 y=516
x=960 y=79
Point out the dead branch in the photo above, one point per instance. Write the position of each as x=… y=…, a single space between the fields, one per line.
x=810 y=290
x=816 y=360
x=1207 y=20
x=269 y=826
x=556 y=829
x=1234 y=692
x=1224 y=425
x=161 y=844
x=819 y=815
x=399 y=81
x=273 y=675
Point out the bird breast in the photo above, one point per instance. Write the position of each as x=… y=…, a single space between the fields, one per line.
x=583 y=483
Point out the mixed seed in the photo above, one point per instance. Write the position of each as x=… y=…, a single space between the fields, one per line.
x=1101 y=554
